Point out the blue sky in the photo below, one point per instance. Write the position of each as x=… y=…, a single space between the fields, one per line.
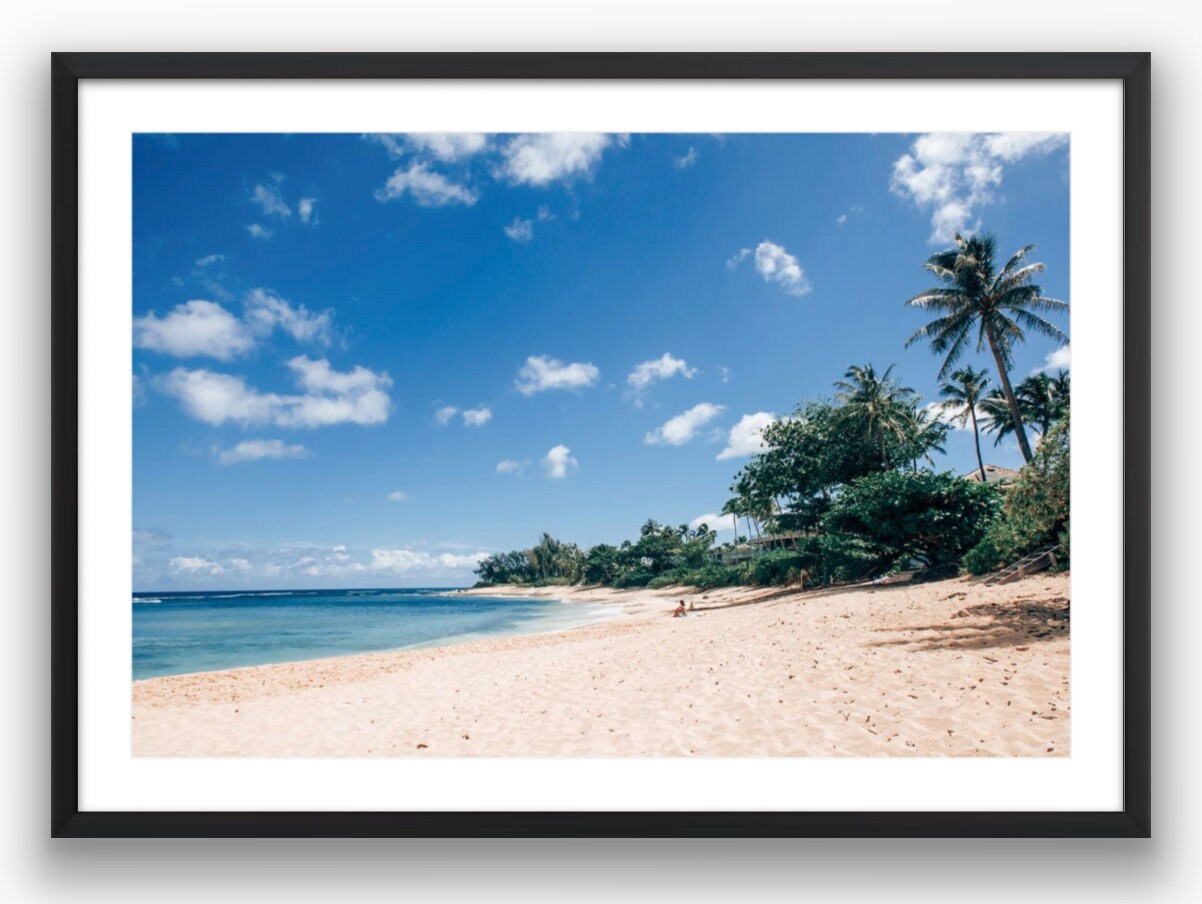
x=367 y=360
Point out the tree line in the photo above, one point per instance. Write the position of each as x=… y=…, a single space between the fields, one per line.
x=850 y=480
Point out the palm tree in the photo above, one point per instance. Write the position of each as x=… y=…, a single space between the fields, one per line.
x=877 y=403
x=1042 y=401
x=961 y=397
x=998 y=306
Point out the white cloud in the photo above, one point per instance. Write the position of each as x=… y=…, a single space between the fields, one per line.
x=241 y=565
x=725 y=371
x=841 y=219
x=662 y=368
x=358 y=396
x=511 y=466
x=405 y=561
x=477 y=417
x=139 y=391
x=194 y=328
x=543 y=158
x=679 y=430
x=687 y=160
x=257 y=449
x=308 y=213
x=445 y=146
x=270 y=201
x=258 y=231
x=1060 y=359
x=443 y=415
x=714 y=521
x=448 y=146
x=738 y=258
x=398 y=496
x=745 y=437
x=954 y=174
x=264 y=311
x=936 y=412
x=520 y=230
x=427 y=188
x=540 y=373
x=557 y=461
x=210 y=259
x=195 y=565
x=544 y=213
x=778 y=266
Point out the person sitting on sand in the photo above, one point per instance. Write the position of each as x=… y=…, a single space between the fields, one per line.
x=679 y=611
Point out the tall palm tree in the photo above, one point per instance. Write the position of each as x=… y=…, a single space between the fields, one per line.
x=999 y=306
x=879 y=404
x=961 y=397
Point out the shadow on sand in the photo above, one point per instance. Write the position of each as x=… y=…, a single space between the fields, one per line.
x=1011 y=624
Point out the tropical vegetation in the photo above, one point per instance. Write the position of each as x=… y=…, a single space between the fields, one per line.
x=845 y=487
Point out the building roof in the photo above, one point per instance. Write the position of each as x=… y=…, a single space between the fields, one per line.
x=993 y=474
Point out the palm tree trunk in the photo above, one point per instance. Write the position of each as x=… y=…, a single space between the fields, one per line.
x=976 y=436
x=1011 y=401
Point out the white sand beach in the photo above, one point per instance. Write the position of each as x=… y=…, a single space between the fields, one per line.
x=951 y=668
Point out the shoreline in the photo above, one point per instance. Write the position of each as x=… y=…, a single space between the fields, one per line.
x=949 y=668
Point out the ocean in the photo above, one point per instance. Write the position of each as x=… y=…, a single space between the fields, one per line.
x=182 y=632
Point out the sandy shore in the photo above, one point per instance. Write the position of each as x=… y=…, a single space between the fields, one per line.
x=952 y=668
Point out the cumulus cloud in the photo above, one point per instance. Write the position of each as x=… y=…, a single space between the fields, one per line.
x=714 y=521
x=1060 y=359
x=398 y=496
x=404 y=561
x=954 y=174
x=778 y=266
x=426 y=187
x=358 y=396
x=746 y=437
x=271 y=201
x=210 y=259
x=541 y=372
x=546 y=157
x=332 y=562
x=194 y=328
x=936 y=412
x=265 y=311
x=558 y=461
x=258 y=231
x=443 y=415
x=681 y=429
x=477 y=417
x=511 y=466
x=737 y=258
x=663 y=368
x=687 y=160
x=445 y=146
x=258 y=449
x=520 y=230
x=307 y=210
x=195 y=565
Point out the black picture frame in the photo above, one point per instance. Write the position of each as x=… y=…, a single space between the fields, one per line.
x=1133 y=69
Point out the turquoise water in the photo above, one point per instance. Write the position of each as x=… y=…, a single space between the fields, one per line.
x=178 y=633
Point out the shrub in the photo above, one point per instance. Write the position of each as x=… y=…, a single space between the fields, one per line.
x=1036 y=511
x=886 y=518
x=633 y=579
x=779 y=566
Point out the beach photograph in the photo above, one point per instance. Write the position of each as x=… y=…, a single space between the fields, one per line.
x=601 y=445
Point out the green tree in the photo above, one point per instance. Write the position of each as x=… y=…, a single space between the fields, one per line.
x=877 y=405
x=601 y=564
x=999 y=307
x=962 y=395
x=896 y=515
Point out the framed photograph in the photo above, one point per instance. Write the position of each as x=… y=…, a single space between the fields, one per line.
x=601 y=445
